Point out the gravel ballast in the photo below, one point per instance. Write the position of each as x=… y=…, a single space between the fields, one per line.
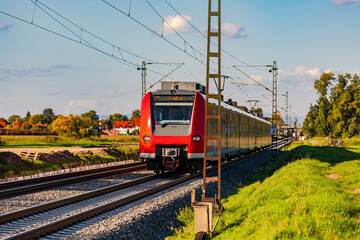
x=155 y=217
x=36 y=198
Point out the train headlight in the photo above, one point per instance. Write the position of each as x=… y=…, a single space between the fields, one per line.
x=147 y=138
x=196 y=138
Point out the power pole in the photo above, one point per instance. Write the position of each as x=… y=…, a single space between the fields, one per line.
x=203 y=211
x=286 y=95
x=287 y=108
x=274 y=104
x=143 y=75
x=213 y=56
x=274 y=95
x=290 y=118
x=143 y=79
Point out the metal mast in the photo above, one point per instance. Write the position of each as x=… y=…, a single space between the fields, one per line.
x=143 y=79
x=274 y=95
x=212 y=139
x=290 y=118
x=286 y=108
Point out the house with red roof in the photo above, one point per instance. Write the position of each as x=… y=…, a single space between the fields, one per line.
x=127 y=127
x=2 y=124
x=17 y=124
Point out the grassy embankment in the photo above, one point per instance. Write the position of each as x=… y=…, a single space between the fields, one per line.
x=22 y=168
x=56 y=141
x=310 y=192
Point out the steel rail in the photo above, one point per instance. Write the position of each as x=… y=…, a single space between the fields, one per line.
x=79 y=176
x=7 y=217
x=23 y=182
x=59 y=224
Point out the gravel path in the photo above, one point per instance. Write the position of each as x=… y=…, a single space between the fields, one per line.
x=36 y=198
x=155 y=217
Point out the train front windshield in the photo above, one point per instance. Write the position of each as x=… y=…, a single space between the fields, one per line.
x=172 y=112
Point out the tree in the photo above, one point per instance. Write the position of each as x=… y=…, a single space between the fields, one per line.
x=74 y=126
x=35 y=119
x=338 y=115
x=309 y=122
x=135 y=114
x=27 y=116
x=321 y=85
x=91 y=114
x=118 y=117
x=26 y=125
x=14 y=118
x=3 y=120
x=48 y=115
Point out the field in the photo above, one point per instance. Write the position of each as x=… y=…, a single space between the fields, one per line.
x=311 y=192
x=55 y=141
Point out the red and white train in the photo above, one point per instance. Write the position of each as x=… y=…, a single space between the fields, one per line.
x=172 y=125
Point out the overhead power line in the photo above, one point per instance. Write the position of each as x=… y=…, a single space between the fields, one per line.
x=253 y=79
x=201 y=33
x=80 y=39
x=159 y=35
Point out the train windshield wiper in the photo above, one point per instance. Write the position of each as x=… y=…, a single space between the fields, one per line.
x=174 y=122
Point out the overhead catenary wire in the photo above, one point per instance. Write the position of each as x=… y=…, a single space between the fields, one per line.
x=80 y=39
x=159 y=35
x=201 y=33
x=84 y=30
x=253 y=79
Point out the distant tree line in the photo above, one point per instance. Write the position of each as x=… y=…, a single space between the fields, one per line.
x=75 y=126
x=336 y=112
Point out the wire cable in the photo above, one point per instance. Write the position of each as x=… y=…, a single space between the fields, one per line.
x=201 y=33
x=154 y=32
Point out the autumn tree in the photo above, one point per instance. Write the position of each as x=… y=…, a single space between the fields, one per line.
x=74 y=126
x=35 y=119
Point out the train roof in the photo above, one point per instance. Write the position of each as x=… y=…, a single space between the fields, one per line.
x=177 y=91
x=235 y=109
x=211 y=100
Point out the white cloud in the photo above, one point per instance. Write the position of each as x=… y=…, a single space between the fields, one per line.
x=231 y=30
x=176 y=22
x=228 y=30
x=81 y=105
x=4 y=27
x=341 y=2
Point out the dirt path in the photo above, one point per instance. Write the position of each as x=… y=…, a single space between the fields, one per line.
x=56 y=149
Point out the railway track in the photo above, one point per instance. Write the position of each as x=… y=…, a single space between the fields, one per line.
x=44 y=219
x=9 y=189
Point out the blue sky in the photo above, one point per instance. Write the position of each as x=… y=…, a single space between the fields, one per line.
x=39 y=69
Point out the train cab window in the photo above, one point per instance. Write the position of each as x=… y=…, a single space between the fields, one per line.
x=172 y=112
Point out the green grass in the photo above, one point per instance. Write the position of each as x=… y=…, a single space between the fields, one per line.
x=56 y=141
x=292 y=198
x=22 y=168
